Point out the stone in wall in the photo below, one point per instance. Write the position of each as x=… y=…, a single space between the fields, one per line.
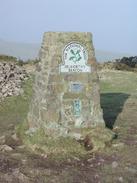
x=11 y=77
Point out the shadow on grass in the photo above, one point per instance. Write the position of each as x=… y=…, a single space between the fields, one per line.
x=112 y=104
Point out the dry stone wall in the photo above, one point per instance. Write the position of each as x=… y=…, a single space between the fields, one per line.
x=11 y=77
x=66 y=90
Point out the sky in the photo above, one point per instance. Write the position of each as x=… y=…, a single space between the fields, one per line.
x=113 y=23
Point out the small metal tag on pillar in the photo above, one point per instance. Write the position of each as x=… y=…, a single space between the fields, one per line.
x=77 y=107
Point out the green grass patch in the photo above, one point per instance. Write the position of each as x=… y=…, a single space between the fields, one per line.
x=116 y=88
x=13 y=110
x=119 y=82
x=55 y=148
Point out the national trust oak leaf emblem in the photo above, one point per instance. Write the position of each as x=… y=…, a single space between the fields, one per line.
x=75 y=56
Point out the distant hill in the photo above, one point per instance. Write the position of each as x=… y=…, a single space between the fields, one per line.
x=27 y=51
x=20 y=50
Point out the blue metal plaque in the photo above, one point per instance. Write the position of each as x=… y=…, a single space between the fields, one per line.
x=76 y=87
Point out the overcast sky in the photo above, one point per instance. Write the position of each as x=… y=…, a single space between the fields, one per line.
x=112 y=22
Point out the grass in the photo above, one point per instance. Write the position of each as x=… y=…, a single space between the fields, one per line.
x=58 y=148
x=116 y=88
x=119 y=103
x=13 y=110
x=118 y=82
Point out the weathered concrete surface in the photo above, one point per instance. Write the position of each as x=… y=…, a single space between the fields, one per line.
x=52 y=106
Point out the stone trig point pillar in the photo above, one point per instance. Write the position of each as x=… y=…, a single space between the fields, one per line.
x=66 y=90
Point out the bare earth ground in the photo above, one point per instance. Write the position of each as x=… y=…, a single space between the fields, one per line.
x=115 y=164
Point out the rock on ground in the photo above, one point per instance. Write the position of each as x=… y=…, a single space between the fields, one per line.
x=11 y=77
